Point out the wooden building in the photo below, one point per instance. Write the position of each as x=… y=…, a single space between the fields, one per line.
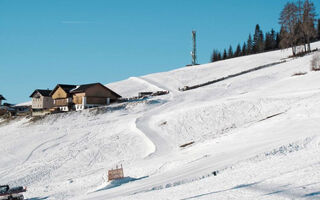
x=92 y=95
x=1 y=99
x=41 y=102
x=62 y=98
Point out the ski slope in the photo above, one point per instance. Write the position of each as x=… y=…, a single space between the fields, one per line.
x=259 y=131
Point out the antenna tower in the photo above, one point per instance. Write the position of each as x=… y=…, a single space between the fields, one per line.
x=194 y=49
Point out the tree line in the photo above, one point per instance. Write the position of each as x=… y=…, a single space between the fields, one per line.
x=298 y=28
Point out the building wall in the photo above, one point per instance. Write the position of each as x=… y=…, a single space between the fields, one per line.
x=97 y=100
x=37 y=103
x=59 y=94
x=41 y=102
x=77 y=98
x=99 y=91
x=47 y=102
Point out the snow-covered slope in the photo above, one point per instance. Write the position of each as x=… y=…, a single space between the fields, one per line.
x=259 y=131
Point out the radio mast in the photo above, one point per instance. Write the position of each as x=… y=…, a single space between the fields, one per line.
x=194 y=49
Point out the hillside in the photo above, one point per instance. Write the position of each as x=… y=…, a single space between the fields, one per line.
x=258 y=130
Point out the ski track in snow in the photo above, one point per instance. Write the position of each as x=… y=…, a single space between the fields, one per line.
x=40 y=145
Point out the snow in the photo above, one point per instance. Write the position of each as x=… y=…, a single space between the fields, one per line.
x=259 y=131
x=28 y=103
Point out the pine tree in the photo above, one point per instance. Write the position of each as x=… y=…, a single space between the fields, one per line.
x=258 y=40
x=225 y=55
x=219 y=56
x=237 y=53
x=244 y=49
x=273 y=36
x=278 y=39
x=268 y=42
x=249 y=45
x=318 y=30
x=213 y=56
x=230 y=52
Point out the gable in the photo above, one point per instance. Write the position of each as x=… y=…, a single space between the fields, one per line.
x=59 y=93
x=99 y=90
x=37 y=95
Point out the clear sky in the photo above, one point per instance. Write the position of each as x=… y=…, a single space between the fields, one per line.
x=45 y=42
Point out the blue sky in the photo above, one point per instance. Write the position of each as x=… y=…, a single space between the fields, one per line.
x=45 y=42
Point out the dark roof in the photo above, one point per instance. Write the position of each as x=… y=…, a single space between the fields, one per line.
x=2 y=97
x=44 y=93
x=65 y=87
x=83 y=88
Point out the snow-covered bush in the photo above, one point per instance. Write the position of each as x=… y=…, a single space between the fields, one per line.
x=315 y=62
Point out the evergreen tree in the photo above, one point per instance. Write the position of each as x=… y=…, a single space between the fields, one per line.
x=318 y=30
x=219 y=56
x=278 y=39
x=213 y=56
x=268 y=42
x=258 y=41
x=244 y=49
x=273 y=36
x=237 y=53
x=225 y=55
x=216 y=56
x=249 y=45
x=230 y=52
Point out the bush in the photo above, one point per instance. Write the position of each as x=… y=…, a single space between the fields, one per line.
x=315 y=62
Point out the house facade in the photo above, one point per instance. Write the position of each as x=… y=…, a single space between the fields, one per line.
x=1 y=99
x=92 y=95
x=41 y=102
x=62 y=98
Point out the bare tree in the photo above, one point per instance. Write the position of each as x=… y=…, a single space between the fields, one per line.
x=288 y=21
x=308 y=22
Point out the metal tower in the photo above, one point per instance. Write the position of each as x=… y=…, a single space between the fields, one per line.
x=194 y=50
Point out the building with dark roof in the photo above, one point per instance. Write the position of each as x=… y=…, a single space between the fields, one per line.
x=41 y=101
x=62 y=98
x=92 y=95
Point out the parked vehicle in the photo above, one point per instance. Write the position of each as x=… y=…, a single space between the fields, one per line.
x=15 y=193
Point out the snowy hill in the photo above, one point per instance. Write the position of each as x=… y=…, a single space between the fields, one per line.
x=258 y=130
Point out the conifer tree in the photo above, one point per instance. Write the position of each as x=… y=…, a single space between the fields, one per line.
x=237 y=53
x=268 y=42
x=249 y=45
x=318 y=30
x=273 y=36
x=244 y=49
x=219 y=56
x=225 y=55
x=230 y=52
x=258 y=41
